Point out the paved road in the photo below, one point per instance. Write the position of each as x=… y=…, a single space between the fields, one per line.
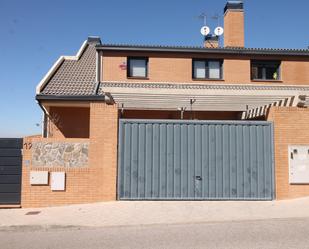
x=284 y=233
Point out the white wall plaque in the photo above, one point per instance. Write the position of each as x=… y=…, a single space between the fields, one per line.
x=298 y=164
x=57 y=181
x=39 y=177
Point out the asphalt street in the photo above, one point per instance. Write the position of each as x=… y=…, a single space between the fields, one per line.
x=275 y=233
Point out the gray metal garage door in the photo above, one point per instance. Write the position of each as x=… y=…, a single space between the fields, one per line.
x=10 y=170
x=192 y=160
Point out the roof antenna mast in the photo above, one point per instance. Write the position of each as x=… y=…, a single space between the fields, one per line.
x=218 y=30
x=205 y=30
x=204 y=17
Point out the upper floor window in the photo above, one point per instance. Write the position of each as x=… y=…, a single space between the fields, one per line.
x=207 y=69
x=265 y=70
x=137 y=67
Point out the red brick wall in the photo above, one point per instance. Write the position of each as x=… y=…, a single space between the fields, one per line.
x=290 y=128
x=97 y=181
x=177 y=67
x=234 y=30
x=94 y=183
x=68 y=122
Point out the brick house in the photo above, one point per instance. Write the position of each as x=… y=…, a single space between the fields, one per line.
x=125 y=122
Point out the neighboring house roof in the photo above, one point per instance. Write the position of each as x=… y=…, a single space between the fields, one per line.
x=72 y=75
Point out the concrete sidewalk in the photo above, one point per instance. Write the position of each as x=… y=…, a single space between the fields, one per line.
x=128 y=213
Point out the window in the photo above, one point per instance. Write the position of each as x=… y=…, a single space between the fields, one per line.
x=207 y=69
x=265 y=70
x=137 y=67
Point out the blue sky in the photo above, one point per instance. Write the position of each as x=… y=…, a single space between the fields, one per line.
x=34 y=33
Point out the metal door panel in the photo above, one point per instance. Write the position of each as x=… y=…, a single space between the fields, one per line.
x=10 y=170
x=195 y=160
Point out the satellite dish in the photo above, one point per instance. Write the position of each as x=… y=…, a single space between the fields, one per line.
x=219 y=31
x=205 y=30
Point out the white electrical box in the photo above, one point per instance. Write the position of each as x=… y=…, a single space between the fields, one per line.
x=39 y=177
x=299 y=164
x=57 y=181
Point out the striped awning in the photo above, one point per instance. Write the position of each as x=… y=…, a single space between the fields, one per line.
x=202 y=97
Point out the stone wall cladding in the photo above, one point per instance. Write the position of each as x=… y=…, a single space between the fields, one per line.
x=60 y=154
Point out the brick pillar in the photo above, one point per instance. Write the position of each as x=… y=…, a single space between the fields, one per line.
x=290 y=128
x=103 y=147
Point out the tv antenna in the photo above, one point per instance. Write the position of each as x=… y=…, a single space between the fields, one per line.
x=205 y=30
x=218 y=30
x=216 y=17
x=204 y=17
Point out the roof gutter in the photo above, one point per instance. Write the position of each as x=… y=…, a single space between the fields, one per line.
x=70 y=97
x=241 y=51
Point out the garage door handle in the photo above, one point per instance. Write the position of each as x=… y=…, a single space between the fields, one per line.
x=198 y=178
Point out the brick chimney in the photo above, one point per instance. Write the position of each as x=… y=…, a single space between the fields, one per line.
x=211 y=41
x=234 y=27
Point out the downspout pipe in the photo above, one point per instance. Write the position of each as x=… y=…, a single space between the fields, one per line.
x=44 y=128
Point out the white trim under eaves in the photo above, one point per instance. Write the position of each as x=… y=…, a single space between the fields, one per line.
x=47 y=77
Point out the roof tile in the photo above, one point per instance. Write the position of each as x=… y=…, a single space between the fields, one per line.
x=75 y=77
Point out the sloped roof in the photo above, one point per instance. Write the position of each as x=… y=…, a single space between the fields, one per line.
x=74 y=77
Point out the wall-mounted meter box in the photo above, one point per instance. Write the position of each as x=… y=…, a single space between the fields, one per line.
x=57 y=181
x=39 y=177
x=298 y=164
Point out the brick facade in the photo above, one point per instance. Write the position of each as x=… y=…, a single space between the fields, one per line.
x=68 y=122
x=234 y=30
x=290 y=128
x=93 y=183
x=97 y=122
x=177 y=67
